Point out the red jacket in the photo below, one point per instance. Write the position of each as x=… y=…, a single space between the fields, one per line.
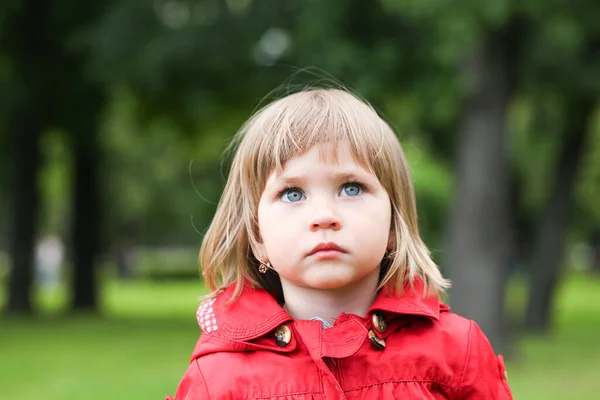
x=408 y=347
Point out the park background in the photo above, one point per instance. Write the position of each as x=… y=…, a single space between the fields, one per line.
x=114 y=116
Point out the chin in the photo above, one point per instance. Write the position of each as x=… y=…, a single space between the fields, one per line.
x=331 y=282
x=329 y=285
x=333 y=277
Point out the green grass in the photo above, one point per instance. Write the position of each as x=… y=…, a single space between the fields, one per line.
x=564 y=364
x=140 y=348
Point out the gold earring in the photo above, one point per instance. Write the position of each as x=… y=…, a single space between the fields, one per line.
x=264 y=266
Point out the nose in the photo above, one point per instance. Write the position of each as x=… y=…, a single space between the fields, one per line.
x=325 y=218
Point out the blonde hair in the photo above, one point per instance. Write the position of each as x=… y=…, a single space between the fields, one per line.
x=291 y=126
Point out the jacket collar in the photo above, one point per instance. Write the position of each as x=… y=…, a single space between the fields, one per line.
x=413 y=301
x=256 y=313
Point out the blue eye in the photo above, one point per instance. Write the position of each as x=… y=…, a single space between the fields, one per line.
x=352 y=189
x=292 y=195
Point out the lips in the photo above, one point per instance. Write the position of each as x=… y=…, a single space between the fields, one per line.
x=330 y=246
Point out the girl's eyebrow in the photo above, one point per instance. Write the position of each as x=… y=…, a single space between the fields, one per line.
x=337 y=176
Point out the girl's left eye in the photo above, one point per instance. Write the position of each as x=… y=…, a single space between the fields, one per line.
x=351 y=189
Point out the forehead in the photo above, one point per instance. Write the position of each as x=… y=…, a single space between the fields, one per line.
x=325 y=159
x=339 y=155
x=299 y=122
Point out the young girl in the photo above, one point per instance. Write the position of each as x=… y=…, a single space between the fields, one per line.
x=321 y=285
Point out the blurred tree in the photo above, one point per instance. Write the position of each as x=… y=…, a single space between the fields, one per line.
x=565 y=32
x=80 y=103
x=87 y=211
x=478 y=238
x=548 y=253
x=595 y=245
x=25 y=41
x=46 y=47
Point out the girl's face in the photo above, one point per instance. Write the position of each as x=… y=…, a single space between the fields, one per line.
x=324 y=224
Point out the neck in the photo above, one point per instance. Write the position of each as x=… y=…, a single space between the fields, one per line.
x=328 y=304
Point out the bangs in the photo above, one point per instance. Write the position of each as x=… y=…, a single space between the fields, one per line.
x=295 y=124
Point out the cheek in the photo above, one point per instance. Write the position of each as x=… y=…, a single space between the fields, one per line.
x=274 y=225
x=278 y=240
x=376 y=225
x=379 y=213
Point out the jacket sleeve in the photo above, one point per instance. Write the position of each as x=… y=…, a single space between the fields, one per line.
x=192 y=386
x=484 y=375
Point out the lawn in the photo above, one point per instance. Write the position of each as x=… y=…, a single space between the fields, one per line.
x=139 y=350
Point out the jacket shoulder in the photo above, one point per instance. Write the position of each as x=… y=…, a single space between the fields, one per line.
x=453 y=324
x=451 y=333
x=479 y=371
x=193 y=385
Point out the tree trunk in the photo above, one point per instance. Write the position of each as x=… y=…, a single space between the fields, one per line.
x=478 y=254
x=26 y=132
x=87 y=217
x=595 y=248
x=26 y=41
x=550 y=240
